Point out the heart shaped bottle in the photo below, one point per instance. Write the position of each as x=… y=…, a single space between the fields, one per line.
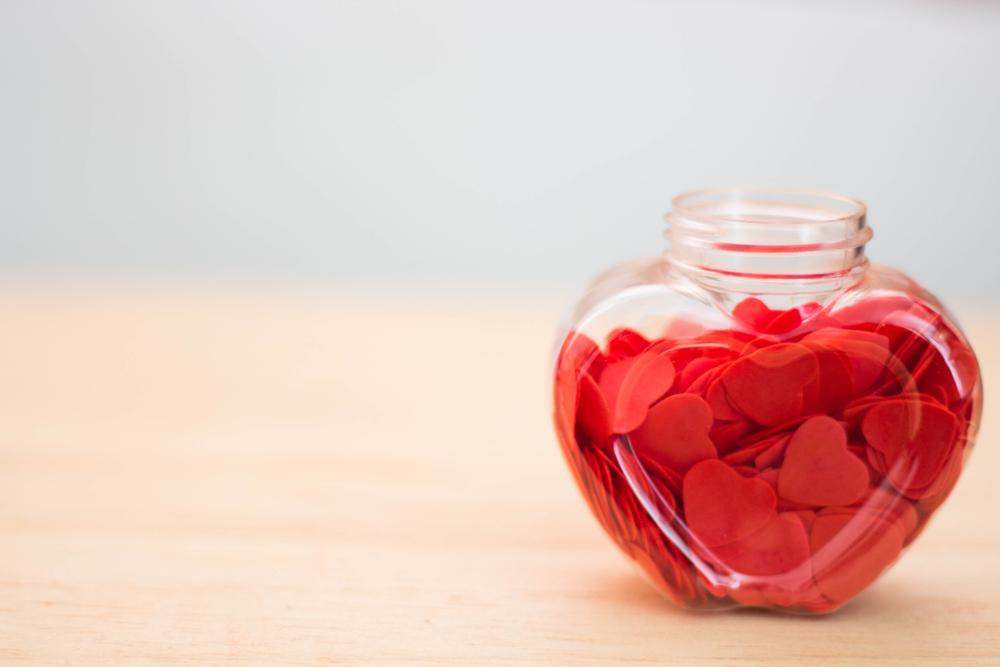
x=760 y=417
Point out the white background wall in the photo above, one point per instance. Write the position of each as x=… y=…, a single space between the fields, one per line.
x=466 y=143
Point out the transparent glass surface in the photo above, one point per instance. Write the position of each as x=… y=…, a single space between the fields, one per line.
x=772 y=438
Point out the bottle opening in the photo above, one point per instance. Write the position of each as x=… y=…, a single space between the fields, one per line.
x=764 y=233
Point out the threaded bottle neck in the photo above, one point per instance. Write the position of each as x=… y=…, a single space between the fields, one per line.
x=768 y=241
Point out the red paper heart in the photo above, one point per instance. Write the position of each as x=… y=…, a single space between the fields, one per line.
x=771 y=477
x=624 y=343
x=682 y=326
x=935 y=494
x=914 y=439
x=872 y=309
x=700 y=384
x=718 y=400
x=773 y=454
x=865 y=351
x=721 y=506
x=727 y=435
x=833 y=386
x=579 y=355
x=818 y=467
x=592 y=411
x=780 y=546
x=648 y=378
x=767 y=385
x=611 y=379
x=850 y=550
x=807 y=517
x=675 y=432
x=856 y=410
x=747 y=453
x=669 y=479
x=565 y=406
x=890 y=505
x=948 y=368
x=758 y=317
x=694 y=370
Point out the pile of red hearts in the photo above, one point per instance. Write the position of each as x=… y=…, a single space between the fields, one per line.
x=784 y=462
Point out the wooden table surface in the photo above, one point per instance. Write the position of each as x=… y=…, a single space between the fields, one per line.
x=306 y=477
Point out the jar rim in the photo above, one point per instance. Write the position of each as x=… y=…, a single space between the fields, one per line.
x=731 y=204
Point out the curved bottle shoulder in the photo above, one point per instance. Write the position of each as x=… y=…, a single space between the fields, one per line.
x=650 y=296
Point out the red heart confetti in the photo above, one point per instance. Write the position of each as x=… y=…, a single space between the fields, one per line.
x=648 y=378
x=593 y=418
x=625 y=343
x=748 y=453
x=728 y=435
x=780 y=546
x=914 y=439
x=667 y=477
x=772 y=455
x=865 y=352
x=833 y=386
x=718 y=400
x=782 y=462
x=891 y=505
x=818 y=467
x=722 y=506
x=758 y=317
x=860 y=547
x=767 y=385
x=675 y=432
x=694 y=370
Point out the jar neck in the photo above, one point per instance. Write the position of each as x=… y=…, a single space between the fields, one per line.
x=787 y=246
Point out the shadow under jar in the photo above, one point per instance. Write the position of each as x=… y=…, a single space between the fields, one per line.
x=760 y=417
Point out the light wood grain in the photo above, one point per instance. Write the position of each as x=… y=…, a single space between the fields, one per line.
x=298 y=477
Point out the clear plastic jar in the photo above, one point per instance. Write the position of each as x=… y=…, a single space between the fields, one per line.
x=760 y=417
